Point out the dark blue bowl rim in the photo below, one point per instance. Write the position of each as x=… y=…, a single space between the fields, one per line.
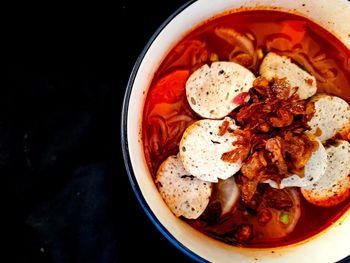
x=125 y=148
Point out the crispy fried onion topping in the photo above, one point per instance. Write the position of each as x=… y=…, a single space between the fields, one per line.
x=271 y=142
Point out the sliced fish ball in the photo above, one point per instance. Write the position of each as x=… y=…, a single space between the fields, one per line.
x=213 y=92
x=334 y=185
x=184 y=194
x=275 y=66
x=314 y=169
x=201 y=148
x=332 y=115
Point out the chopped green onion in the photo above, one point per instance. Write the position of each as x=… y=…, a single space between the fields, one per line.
x=284 y=218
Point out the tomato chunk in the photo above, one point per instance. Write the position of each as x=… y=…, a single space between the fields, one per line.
x=170 y=88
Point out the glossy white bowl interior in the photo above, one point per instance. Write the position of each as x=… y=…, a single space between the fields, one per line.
x=329 y=246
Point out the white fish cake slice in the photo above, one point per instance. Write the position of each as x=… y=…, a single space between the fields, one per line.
x=184 y=194
x=332 y=115
x=275 y=66
x=213 y=92
x=201 y=149
x=315 y=168
x=334 y=185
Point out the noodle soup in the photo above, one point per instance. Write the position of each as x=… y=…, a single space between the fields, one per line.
x=244 y=38
x=245 y=131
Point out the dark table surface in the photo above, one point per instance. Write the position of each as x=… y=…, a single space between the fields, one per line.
x=65 y=193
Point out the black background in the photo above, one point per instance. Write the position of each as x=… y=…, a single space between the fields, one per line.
x=65 y=193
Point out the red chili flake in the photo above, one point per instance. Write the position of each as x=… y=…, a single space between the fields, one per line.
x=309 y=81
x=240 y=98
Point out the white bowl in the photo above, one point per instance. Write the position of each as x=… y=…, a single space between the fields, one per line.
x=331 y=245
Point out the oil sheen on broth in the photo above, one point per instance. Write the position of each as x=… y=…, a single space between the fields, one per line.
x=244 y=38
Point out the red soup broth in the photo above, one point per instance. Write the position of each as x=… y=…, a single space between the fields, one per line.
x=167 y=113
